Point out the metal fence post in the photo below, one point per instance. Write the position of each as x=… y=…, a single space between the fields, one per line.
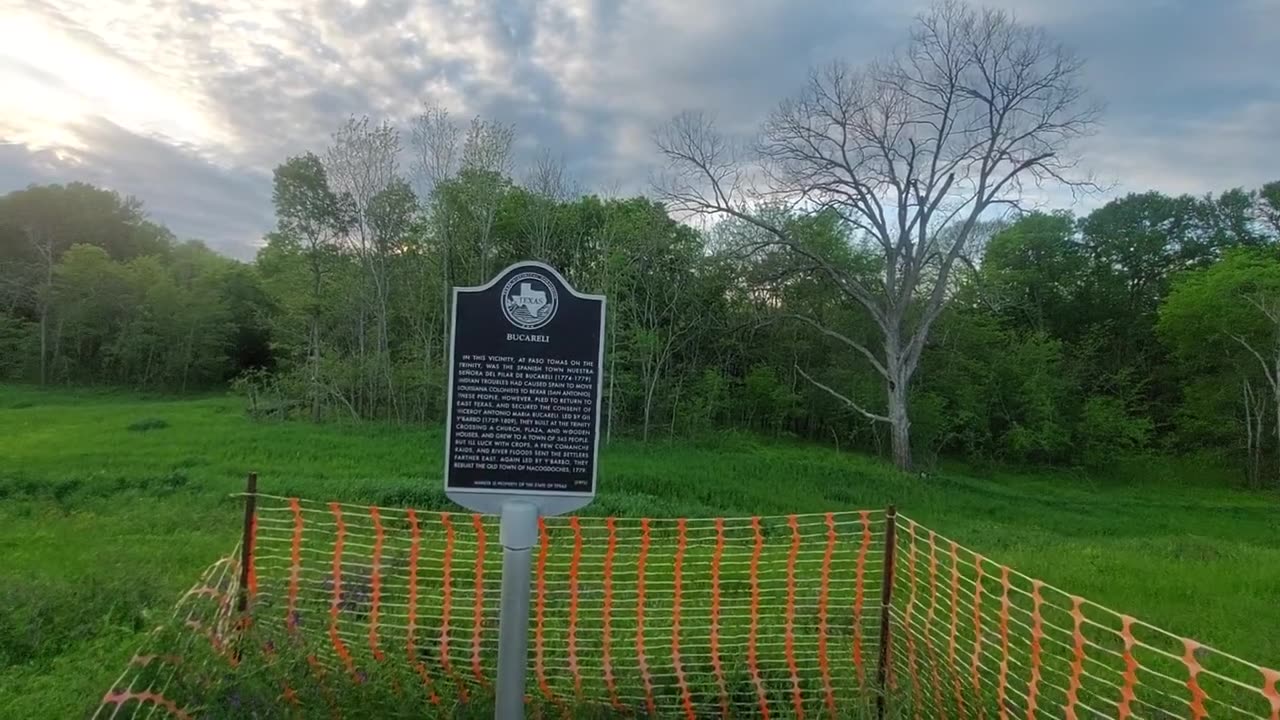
x=886 y=603
x=246 y=541
x=246 y=561
x=519 y=533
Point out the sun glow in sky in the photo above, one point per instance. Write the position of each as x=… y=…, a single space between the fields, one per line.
x=188 y=104
x=54 y=83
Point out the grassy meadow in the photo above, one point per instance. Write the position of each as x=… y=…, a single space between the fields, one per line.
x=110 y=505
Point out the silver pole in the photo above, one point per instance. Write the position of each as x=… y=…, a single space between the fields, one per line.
x=518 y=533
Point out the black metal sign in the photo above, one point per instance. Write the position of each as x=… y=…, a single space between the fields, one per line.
x=524 y=388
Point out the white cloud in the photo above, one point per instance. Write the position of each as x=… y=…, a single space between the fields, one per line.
x=1226 y=149
x=52 y=80
x=190 y=103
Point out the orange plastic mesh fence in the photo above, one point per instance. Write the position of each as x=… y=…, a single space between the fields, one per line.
x=1036 y=651
x=364 y=611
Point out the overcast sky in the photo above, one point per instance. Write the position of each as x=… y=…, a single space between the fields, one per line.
x=188 y=104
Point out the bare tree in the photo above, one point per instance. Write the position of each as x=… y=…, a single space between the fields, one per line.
x=433 y=136
x=549 y=186
x=912 y=153
x=434 y=139
x=362 y=163
x=486 y=157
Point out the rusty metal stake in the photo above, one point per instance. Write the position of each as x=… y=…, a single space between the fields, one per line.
x=246 y=541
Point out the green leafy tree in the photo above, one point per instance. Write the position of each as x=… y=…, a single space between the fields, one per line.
x=40 y=223
x=1267 y=208
x=1223 y=323
x=311 y=218
x=1033 y=274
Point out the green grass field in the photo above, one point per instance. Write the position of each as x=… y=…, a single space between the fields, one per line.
x=110 y=505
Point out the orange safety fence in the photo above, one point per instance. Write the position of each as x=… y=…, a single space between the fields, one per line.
x=199 y=628
x=363 y=611
x=991 y=642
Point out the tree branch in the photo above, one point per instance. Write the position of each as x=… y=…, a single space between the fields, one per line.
x=870 y=356
x=866 y=413
x=1266 y=369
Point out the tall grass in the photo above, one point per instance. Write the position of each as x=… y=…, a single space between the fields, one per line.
x=102 y=527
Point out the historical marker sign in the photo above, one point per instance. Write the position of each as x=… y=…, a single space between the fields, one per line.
x=524 y=392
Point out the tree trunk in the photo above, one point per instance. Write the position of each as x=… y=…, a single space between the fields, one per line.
x=315 y=369
x=146 y=375
x=1251 y=459
x=189 y=356
x=384 y=352
x=44 y=316
x=1275 y=388
x=675 y=408
x=317 y=289
x=446 y=313
x=648 y=404
x=613 y=353
x=44 y=343
x=899 y=422
x=56 y=351
x=427 y=348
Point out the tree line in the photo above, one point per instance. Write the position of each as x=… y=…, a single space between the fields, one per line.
x=92 y=292
x=871 y=278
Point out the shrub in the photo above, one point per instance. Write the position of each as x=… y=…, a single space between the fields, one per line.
x=1107 y=431
x=146 y=424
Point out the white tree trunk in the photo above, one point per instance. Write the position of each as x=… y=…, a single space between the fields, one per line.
x=45 y=301
x=44 y=342
x=613 y=354
x=315 y=369
x=651 y=385
x=899 y=422
x=1275 y=388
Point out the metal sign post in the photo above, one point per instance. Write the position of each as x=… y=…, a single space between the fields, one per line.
x=526 y=363
x=518 y=533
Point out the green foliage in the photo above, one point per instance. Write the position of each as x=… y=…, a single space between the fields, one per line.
x=93 y=293
x=1047 y=353
x=1108 y=431
x=308 y=211
x=769 y=403
x=1050 y=352
x=150 y=322
x=1223 y=324
x=17 y=340
x=77 y=213
x=1208 y=310
x=1267 y=207
x=1036 y=270
x=1037 y=425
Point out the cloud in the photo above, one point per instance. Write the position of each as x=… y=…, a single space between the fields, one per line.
x=188 y=104
x=228 y=207
x=1197 y=154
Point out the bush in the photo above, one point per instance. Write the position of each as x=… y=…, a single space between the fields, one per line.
x=1107 y=431
x=146 y=424
x=17 y=339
